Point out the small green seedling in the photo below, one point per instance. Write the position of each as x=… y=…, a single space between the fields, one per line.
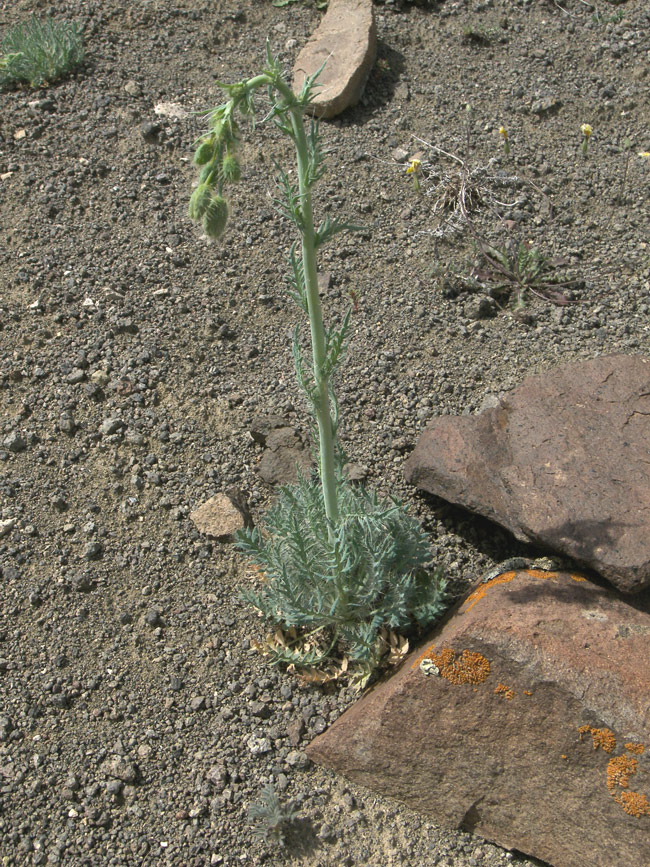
x=586 y=131
x=335 y=561
x=270 y=817
x=40 y=52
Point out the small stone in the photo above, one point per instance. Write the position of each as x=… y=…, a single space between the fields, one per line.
x=197 y=703
x=221 y=516
x=546 y=105
x=295 y=731
x=262 y=425
x=114 y=787
x=111 y=426
x=218 y=776
x=93 y=551
x=150 y=131
x=152 y=617
x=15 y=442
x=297 y=759
x=480 y=307
x=7 y=526
x=76 y=375
x=121 y=769
x=82 y=582
x=133 y=88
x=67 y=425
x=260 y=709
x=171 y=109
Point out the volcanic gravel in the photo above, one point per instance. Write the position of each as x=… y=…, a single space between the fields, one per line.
x=137 y=721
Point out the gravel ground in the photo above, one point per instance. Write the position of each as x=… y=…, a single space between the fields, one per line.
x=136 y=722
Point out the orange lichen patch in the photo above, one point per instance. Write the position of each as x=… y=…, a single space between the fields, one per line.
x=540 y=573
x=527 y=692
x=469 y=667
x=635 y=748
x=619 y=771
x=505 y=691
x=634 y=803
x=480 y=591
x=505 y=577
x=603 y=738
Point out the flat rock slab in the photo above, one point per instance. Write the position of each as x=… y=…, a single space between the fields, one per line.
x=346 y=42
x=524 y=718
x=563 y=460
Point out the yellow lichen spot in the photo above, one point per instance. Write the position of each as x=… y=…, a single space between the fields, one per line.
x=635 y=748
x=482 y=589
x=603 y=738
x=469 y=667
x=505 y=691
x=634 y=803
x=578 y=577
x=619 y=771
x=527 y=692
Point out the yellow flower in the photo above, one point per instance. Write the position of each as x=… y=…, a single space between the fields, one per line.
x=586 y=130
x=644 y=154
x=504 y=132
x=413 y=167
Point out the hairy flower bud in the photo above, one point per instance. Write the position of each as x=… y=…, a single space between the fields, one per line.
x=230 y=169
x=204 y=152
x=199 y=201
x=215 y=217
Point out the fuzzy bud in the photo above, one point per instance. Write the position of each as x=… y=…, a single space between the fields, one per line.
x=199 y=201
x=230 y=169
x=204 y=152
x=215 y=217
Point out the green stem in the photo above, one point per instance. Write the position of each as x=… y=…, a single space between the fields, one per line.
x=316 y=325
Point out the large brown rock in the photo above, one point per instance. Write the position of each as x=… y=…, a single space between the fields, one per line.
x=524 y=718
x=563 y=460
x=346 y=42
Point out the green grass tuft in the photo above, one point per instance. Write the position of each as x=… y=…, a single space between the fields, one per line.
x=39 y=52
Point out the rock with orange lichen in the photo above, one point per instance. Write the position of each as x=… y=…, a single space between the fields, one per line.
x=575 y=481
x=523 y=718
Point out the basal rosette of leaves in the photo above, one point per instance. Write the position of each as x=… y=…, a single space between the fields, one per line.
x=340 y=589
x=40 y=52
